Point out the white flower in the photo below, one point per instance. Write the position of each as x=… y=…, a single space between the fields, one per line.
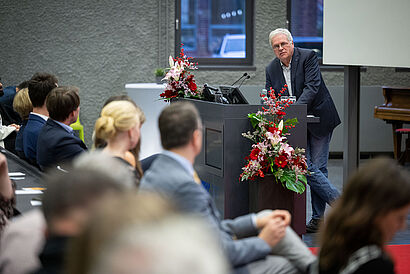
x=286 y=148
x=171 y=61
x=274 y=138
x=280 y=126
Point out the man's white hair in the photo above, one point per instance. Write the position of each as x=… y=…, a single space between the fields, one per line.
x=280 y=31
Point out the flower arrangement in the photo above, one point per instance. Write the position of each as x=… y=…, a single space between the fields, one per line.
x=180 y=81
x=271 y=154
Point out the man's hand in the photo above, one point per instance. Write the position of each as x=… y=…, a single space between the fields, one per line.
x=283 y=215
x=273 y=231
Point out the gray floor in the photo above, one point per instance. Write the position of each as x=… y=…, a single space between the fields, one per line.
x=335 y=169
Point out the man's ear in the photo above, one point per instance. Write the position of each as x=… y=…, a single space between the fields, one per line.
x=197 y=138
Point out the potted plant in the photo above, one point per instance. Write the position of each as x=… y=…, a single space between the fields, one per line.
x=159 y=75
x=180 y=81
x=278 y=170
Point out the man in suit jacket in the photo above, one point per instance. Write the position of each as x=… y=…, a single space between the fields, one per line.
x=298 y=69
x=57 y=142
x=38 y=88
x=248 y=241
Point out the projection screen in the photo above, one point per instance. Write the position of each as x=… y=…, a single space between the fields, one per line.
x=366 y=32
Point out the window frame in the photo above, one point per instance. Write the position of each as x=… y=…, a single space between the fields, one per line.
x=323 y=67
x=222 y=63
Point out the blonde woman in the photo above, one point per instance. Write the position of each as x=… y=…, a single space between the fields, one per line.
x=22 y=105
x=119 y=125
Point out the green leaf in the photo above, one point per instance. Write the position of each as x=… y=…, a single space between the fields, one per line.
x=289 y=122
x=302 y=178
x=293 y=184
x=292 y=121
x=255 y=119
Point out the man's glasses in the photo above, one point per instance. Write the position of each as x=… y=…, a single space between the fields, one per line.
x=281 y=45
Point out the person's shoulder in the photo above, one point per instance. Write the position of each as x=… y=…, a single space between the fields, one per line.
x=35 y=121
x=165 y=172
x=378 y=265
x=272 y=63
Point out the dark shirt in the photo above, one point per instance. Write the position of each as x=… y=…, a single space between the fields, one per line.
x=374 y=261
x=136 y=174
x=8 y=97
x=19 y=141
x=52 y=256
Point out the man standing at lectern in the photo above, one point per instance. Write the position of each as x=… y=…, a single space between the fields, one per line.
x=299 y=69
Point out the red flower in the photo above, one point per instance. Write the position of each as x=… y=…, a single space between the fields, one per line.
x=254 y=153
x=272 y=129
x=281 y=161
x=192 y=86
x=281 y=113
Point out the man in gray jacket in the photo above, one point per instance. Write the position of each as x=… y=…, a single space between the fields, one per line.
x=261 y=243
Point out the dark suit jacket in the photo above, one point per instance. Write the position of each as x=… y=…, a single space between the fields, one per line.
x=169 y=178
x=30 y=135
x=308 y=87
x=19 y=141
x=56 y=145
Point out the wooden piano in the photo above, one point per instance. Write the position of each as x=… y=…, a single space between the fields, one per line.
x=396 y=111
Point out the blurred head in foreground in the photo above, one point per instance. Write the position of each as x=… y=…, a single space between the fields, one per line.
x=373 y=207
x=143 y=234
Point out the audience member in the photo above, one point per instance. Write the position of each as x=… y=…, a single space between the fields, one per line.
x=57 y=143
x=67 y=204
x=248 y=240
x=22 y=105
x=133 y=155
x=119 y=124
x=374 y=205
x=24 y=237
x=7 y=196
x=38 y=88
x=21 y=243
x=10 y=92
x=146 y=236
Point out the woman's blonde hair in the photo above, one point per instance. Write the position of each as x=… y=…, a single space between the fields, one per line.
x=22 y=104
x=117 y=116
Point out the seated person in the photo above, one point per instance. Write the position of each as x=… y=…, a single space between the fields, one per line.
x=67 y=205
x=7 y=196
x=261 y=243
x=38 y=88
x=10 y=92
x=22 y=105
x=57 y=142
x=23 y=238
x=374 y=205
x=119 y=125
x=132 y=156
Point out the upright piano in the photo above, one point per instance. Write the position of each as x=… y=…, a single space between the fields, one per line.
x=395 y=111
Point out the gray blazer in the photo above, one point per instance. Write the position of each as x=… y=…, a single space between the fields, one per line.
x=169 y=178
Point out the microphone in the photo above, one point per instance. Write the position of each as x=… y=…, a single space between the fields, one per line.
x=211 y=88
x=246 y=78
x=244 y=75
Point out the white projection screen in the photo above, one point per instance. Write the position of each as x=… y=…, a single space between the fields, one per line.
x=366 y=33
